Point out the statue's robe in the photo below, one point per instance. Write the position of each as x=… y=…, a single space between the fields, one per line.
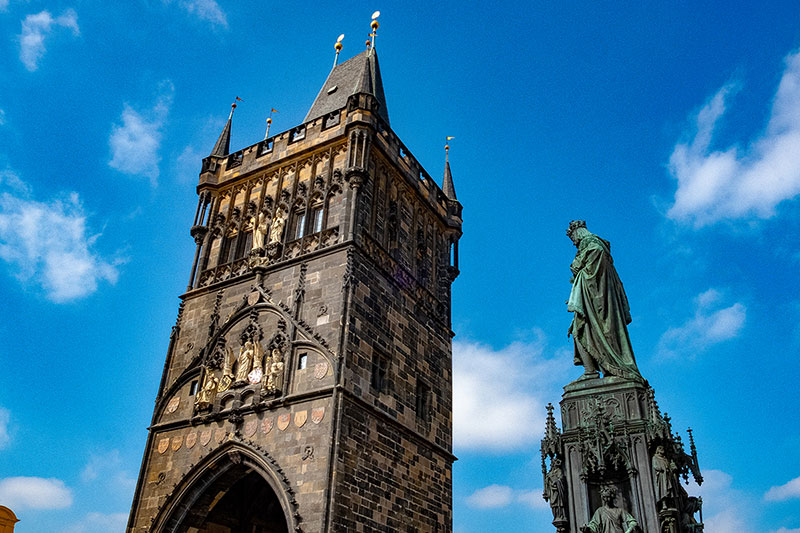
x=601 y=310
x=611 y=520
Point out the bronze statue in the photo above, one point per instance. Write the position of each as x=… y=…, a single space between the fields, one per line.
x=608 y=518
x=601 y=309
x=207 y=393
x=663 y=477
x=555 y=490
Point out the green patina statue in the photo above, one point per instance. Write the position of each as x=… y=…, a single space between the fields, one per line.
x=598 y=300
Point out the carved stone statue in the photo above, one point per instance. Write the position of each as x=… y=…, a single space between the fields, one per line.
x=276 y=366
x=245 y=361
x=257 y=372
x=226 y=380
x=207 y=393
x=601 y=310
x=555 y=490
x=608 y=518
x=276 y=232
x=663 y=477
x=260 y=230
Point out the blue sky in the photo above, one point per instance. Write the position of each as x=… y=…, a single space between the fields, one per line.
x=673 y=128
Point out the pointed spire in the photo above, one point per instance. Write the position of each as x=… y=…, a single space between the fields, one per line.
x=447 y=183
x=223 y=146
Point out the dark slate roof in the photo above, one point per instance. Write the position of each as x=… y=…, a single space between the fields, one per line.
x=448 y=188
x=223 y=146
x=359 y=74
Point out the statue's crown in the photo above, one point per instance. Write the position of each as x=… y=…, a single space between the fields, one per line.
x=575 y=224
x=608 y=490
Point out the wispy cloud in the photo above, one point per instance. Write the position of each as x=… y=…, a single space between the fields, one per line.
x=36 y=28
x=712 y=323
x=135 y=142
x=725 y=508
x=99 y=523
x=5 y=434
x=739 y=183
x=504 y=390
x=49 y=243
x=3 y=5
x=2 y=117
x=34 y=493
x=499 y=496
x=787 y=491
x=107 y=467
x=208 y=10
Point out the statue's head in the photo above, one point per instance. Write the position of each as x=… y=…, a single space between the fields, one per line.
x=659 y=450
x=577 y=230
x=608 y=494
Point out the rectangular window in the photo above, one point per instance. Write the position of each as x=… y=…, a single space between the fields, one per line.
x=380 y=372
x=299 y=224
x=245 y=243
x=193 y=388
x=302 y=361
x=316 y=218
x=423 y=401
x=225 y=252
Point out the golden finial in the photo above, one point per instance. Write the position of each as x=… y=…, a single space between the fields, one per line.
x=447 y=146
x=374 y=25
x=338 y=46
x=269 y=122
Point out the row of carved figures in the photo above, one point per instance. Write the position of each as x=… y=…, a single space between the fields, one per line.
x=248 y=367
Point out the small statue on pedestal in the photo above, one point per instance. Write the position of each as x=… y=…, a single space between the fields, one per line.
x=610 y=519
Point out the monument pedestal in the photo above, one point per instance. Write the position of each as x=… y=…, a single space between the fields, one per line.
x=613 y=435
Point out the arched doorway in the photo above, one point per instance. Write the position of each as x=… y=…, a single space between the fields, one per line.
x=232 y=494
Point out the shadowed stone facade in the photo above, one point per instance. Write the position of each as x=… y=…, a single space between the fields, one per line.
x=308 y=382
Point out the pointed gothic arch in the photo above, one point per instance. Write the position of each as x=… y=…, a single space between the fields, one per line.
x=236 y=487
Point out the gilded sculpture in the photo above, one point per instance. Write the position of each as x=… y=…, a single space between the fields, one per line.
x=244 y=362
x=600 y=307
x=207 y=393
x=274 y=382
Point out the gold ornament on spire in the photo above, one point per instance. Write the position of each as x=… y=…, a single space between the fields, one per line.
x=338 y=46
x=374 y=25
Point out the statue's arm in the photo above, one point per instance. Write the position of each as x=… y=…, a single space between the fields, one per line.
x=630 y=523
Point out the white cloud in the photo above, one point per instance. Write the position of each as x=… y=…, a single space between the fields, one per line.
x=135 y=143
x=3 y=5
x=2 y=117
x=787 y=491
x=498 y=496
x=5 y=420
x=34 y=493
x=784 y=530
x=724 y=507
x=491 y=497
x=35 y=28
x=48 y=242
x=208 y=10
x=709 y=325
x=107 y=468
x=99 y=523
x=738 y=183
x=499 y=397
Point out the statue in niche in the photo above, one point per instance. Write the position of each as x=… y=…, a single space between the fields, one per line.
x=226 y=380
x=276 y=232
x=257 y=373
x=555 y=490
x=663 y=478
x=245 y=361
x=608 y=518
x=207 y=393
x=275 y=374
x=260 y=230
x=600 y=307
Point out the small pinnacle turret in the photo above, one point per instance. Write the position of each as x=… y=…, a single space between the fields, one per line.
x=223 y=146
x=448 y=188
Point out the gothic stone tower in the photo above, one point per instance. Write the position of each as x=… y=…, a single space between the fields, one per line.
x=307 y=384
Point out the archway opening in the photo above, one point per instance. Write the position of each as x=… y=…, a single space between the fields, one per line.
x=238 y=501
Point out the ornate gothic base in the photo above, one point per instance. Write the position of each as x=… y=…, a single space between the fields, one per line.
x=615 y=436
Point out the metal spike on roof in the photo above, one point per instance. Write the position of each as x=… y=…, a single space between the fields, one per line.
x=448 y=188
x=223 y=146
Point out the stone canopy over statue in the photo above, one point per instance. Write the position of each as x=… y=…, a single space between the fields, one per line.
x=598 y=301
